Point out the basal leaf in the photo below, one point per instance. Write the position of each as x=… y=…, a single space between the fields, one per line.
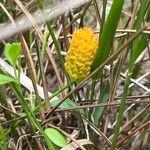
x=4 y=79
x=103 y=99
x=56 y=137
x=66 y=104
x=12 y=52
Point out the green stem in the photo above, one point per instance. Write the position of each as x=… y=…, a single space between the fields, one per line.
x=58 y=50
x=53 y=95
x=121 y=111
x=91 y=97
x=31 y=116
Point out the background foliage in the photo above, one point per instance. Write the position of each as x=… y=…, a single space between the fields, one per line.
x=41 y=108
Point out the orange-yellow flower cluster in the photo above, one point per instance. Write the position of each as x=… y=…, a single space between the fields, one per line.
x=81 y=53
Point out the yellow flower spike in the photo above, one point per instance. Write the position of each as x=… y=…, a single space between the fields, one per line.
x=83 y=45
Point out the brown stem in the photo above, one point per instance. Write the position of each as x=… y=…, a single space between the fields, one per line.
x=123 y=140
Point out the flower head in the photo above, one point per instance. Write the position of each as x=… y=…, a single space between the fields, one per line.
x=81 y=53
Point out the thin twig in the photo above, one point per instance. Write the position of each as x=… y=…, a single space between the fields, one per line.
x=123 y=140
x=101 y=105
x=31 y=68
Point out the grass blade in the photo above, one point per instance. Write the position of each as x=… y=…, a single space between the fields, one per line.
x=140 y=43
x=138 y=46
x=120 y=113
x=108 y=33
x=104 y=97
x=31 y=116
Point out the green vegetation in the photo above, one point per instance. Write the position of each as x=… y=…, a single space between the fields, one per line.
x=42 y=108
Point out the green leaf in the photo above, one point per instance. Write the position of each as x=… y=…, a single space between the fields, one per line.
x=41 y=4
x=3 y=138
x=30 y=115
x=140 y=42
x=103 y=99
x=6 y=79
x=136 y=70
x=137 y=48
x=108 y=33
x=56 y=137
x=67 y=103
x=12 y=52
